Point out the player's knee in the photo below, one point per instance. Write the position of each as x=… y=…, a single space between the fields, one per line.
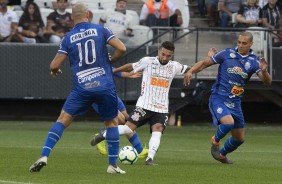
x=158 y=127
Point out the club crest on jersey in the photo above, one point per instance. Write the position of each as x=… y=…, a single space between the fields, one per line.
x=135 y=116
x=247 y=65
x=232 y=55
x=219 y=110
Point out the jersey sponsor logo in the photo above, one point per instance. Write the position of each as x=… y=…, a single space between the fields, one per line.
x=229 y=104
x=89 y=74
x=87 y=33
x=164 y=83
x=237 y=70
x=237 y=90
x=92 y=84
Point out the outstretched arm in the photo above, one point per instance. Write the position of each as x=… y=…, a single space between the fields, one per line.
x=199 y=66
x=124 y=68
x=263 y=74
x=131 y=74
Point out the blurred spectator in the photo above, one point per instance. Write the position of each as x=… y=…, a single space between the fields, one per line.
x=55 y=4
x=8 y=23
x=118 y=21
x=271 y=14
x=249 y=14
x=212 y=9
x=227 y=8
x=160 y=13
x=262 y=3
x=31 y=24
x=59 y=22
x=202 y=8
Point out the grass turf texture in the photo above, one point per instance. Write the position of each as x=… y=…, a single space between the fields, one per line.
x=183 y=156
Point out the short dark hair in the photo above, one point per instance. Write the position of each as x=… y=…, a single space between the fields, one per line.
x=248 y=34
x=168 y=45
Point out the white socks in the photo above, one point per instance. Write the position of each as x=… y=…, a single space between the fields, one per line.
x=122 y=129
x=154 y=144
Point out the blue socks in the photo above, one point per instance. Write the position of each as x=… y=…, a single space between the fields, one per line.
x=134 y=140
x=112 y=138
x=230 y=145
x=222 y=130
x=55 y=133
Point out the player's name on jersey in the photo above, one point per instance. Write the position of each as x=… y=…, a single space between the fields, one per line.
x=84 y=34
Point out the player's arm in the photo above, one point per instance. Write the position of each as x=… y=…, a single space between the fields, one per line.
x=56 y=64
x=263 y=74
x=131 y=74
x=124 y=68
x=120 y=49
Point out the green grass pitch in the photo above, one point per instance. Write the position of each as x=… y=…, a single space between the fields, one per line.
x=183 y=156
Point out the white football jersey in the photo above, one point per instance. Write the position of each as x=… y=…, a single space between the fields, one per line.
x=156 y=82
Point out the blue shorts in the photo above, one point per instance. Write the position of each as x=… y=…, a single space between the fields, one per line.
x=221 y=106
x=78 y=103
x=121 y=106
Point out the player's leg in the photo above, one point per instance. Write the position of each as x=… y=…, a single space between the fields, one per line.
x=108 y=113
x=158 y=123
x=237 y=138
x=74 y=106
x=133 y=138
x=54 y=135
x=222 y=117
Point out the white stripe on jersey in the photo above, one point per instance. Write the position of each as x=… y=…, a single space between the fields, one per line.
x=156 y=82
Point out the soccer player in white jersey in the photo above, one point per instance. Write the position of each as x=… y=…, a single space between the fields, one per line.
x=152 y=105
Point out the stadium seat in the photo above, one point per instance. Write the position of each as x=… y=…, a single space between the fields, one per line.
x=100 y=4
x=134 y=15
x=44 y=3
x=141 y=34
x=97 y=13
x=19 y=13
x=106 y=4
x=260 y=41
x=183 y=6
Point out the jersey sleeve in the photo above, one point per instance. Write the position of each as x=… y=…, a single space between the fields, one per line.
x=116 y=74
x=108 y=33
x=63 y=46
x=180 y=69
x=140 y=65
x=218 y=58
x=257 y=69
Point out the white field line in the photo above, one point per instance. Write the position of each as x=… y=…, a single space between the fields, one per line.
x=167 y=150
x=13 y=182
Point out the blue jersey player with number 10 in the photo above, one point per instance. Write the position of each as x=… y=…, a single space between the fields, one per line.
x=86 y=47
x=236 y=66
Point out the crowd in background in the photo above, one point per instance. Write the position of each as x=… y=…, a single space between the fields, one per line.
x=30 y=27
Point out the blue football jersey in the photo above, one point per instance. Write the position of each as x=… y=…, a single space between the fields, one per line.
x=233 y=72
x=86 y=47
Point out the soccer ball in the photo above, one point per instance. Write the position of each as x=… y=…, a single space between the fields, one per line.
x=128 y=155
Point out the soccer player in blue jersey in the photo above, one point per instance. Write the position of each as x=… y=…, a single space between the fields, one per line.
x=236 y=66
x=86 y=47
